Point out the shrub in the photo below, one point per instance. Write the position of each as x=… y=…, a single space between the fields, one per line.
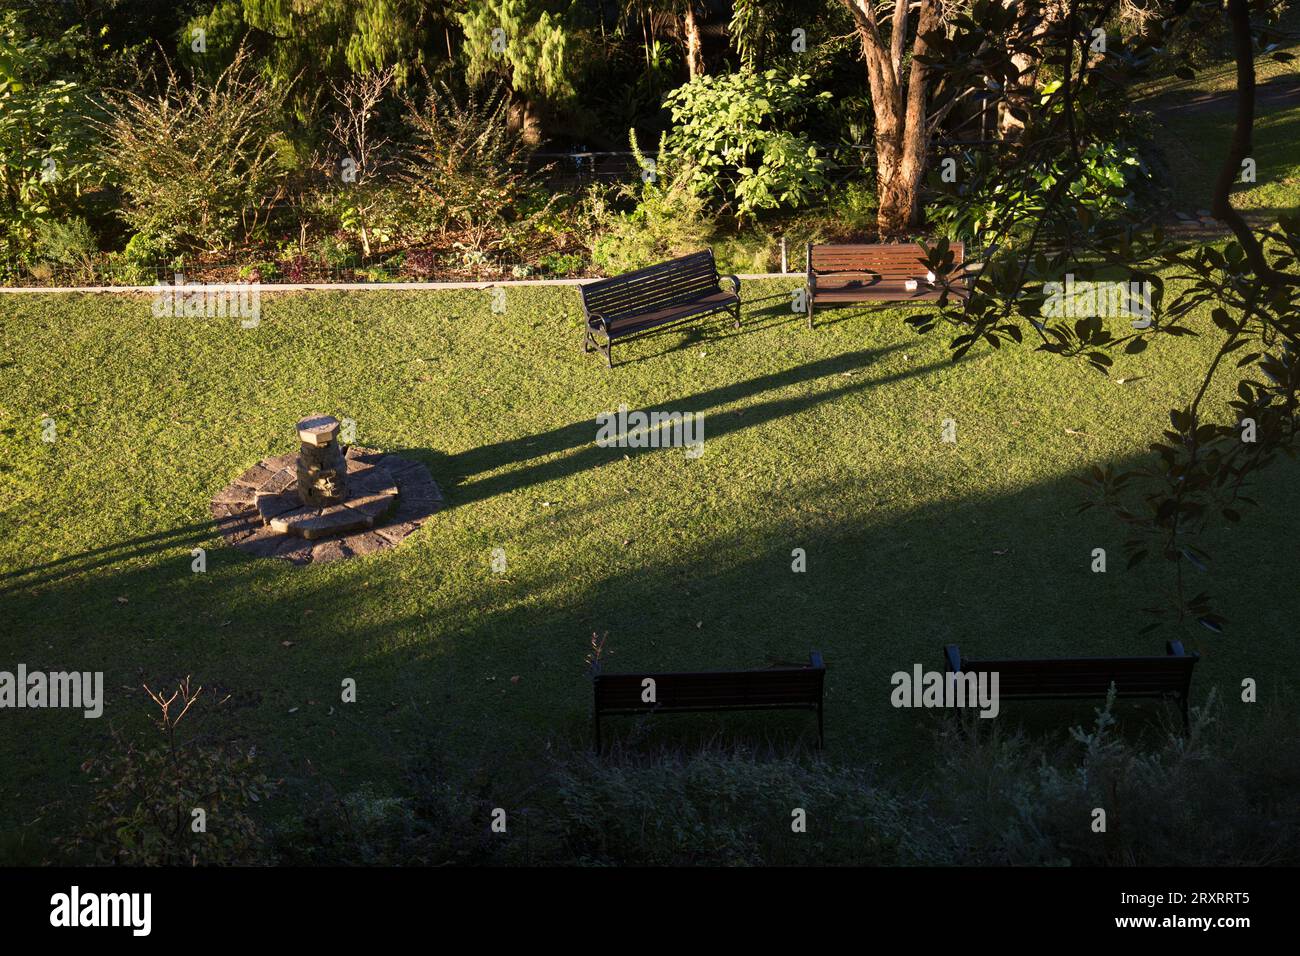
x=723 y=808
x=46 y=136
x=445 y=823
x=295 y=268
x=337 y=251
x=145 y=250
x=198 y=165
x=142 y=809
x=734 y=131
x=259 y=272
x=466 y=170
x=669 y=219
x=562 y=263
x=1221 y=795
x=985 y=197
x=853 y=209
x=66 y=243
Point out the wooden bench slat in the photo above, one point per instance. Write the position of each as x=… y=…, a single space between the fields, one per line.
x=1070 y=678
x=785 y=688
x=876 y=272
x=662 y=294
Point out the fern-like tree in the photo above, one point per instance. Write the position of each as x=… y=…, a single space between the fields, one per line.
x=526 y=44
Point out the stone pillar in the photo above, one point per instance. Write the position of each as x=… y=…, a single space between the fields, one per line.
x=322 y=469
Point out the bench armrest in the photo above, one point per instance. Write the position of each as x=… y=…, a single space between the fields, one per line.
x=735 y=283
x=597 y=321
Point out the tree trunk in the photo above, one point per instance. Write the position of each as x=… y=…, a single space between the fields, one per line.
x=1022 y=93
x=694 y=45
x=901 y=132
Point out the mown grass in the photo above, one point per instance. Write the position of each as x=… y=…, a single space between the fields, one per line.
x=1217 y=74
x=826 y=440
x=1194 y=144
x=1194 y=136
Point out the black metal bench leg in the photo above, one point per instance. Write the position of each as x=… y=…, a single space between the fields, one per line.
x=587 y=340
x=609 y=344
x=737 y=317
x=809 y=306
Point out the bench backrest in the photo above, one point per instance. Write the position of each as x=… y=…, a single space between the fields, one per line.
x=1086 y=676
x=890 y=260
x=654 y=287
x=713 y=690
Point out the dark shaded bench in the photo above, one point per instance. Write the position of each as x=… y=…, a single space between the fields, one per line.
x=773 y=688
x=1168 y=677
x=674 y=291
x=878 y=272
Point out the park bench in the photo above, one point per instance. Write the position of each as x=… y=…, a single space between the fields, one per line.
x=1064 y=678
x=878 y=272
x=675 y=291
x=773 y=688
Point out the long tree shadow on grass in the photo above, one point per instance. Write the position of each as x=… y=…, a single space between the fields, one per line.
x=452 y=470
x=580 y=437
x=491 y=666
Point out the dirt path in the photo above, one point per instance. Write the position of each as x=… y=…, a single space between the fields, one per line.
x=1275 y=95
x=1279 y=93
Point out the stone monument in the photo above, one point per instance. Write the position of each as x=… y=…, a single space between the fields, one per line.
x=322 y=469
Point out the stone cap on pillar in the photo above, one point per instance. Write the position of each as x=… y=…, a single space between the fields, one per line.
x=318 y=430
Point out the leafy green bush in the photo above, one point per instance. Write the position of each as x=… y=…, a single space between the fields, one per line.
x=668 y=219
x=260 y=272
x=984 y=197
x=46 y=136
x=144 y=809
x=337 y=252
x=562 y=263
x=1222 y=795
x=145 y=250
x=853 y=207
x=67 y=243
x=199 y=164
x=722 y=808
x=445 y=822
x=734 y=132
x=466 y=170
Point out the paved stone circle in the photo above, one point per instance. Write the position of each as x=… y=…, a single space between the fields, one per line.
x=389 y=497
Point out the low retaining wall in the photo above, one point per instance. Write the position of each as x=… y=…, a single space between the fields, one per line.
x=269 y=287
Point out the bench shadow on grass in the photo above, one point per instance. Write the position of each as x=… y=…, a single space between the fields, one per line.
x=435 y=645
x=186 y=536
x=578 y=438
x=714 y=328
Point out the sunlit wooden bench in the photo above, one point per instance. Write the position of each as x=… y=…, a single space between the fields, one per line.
x=880 y=272
x=636 y=302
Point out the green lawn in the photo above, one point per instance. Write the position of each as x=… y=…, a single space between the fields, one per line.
x=1193 y=120
x=1194 y=144
x=827 y=440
